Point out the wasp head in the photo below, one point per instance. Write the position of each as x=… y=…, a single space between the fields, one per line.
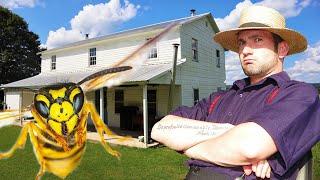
x=60 y=104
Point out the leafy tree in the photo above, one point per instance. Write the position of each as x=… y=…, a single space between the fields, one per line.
x=18 y=48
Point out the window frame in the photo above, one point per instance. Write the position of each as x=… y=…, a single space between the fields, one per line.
x=152 y=103
x=92 y=56
x=196 y=96
x=194 y=49
x=153 y=53
x=53 y=62
x=218 y=63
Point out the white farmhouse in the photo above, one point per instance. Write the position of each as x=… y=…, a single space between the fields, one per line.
x=143 y=97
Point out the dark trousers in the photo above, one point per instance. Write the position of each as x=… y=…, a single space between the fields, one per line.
x=198 y=173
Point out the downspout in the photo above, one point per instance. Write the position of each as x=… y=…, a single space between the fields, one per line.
x=173 y=77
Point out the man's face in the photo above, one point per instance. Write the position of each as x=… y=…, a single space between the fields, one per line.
x=257 y=53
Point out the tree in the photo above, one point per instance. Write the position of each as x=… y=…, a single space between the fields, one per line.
x=18 y=48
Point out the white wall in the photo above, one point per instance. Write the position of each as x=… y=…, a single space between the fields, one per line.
x=13 y=100
x=108 y=52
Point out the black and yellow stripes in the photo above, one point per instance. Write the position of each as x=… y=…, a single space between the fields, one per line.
x=59 y=133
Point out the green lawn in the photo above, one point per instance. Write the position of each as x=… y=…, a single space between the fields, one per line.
x=158 y=163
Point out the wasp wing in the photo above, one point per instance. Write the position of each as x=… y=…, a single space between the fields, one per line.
x=135 y=60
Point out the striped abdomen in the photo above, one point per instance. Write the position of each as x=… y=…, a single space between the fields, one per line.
x=53 y=158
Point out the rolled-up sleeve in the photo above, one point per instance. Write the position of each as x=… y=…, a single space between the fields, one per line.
x=293 y=122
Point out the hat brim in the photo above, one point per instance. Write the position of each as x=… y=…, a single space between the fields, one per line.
x=297 y=42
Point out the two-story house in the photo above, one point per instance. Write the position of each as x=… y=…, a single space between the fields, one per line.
x=143 y=97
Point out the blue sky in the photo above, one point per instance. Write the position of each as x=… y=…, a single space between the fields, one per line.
x=58 y=22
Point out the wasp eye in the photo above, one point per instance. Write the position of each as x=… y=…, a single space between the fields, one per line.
x=42 y=108
x=78 y=102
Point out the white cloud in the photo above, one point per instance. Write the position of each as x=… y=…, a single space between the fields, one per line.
x=288 y=8
x=12 y=4
x=62 y=36
x=232 y=20
x=233 y=67
x=308 y=67
x=96 y=20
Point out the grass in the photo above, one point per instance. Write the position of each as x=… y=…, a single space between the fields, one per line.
x=158 y=163
x=316 y=161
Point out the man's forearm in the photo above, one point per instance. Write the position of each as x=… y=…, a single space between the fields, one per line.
x=181 y=133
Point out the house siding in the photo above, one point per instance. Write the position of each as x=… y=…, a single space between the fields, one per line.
x=202 y=75
x=109 y=52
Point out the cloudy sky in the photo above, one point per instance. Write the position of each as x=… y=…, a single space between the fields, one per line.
x=60 y=22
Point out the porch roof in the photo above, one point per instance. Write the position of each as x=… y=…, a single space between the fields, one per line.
x=144 y=73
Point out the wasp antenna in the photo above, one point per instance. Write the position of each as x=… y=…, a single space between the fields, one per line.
x=104 y=72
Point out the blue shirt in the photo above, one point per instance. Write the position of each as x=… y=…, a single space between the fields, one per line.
x=291 y=116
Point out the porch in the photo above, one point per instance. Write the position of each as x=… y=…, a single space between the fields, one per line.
x=135 y=138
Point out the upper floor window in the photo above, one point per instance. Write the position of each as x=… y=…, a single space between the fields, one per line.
x=218 y=58
x=92 y=56
x=53 y=62
x=153 y=53
x=195 y=96
x=194 y=47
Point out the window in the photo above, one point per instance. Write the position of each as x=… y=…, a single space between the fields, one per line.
x=194 y=47
x=153 y=53
x=119 y=100
x=92 y=56
x=53 y=62
x=195 y=96
x=152 y=103
x=218 y=58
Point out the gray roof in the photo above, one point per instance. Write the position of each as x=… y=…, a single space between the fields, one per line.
x=144 y=73
x=151 y=27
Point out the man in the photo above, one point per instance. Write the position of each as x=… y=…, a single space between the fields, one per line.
x=264 y=125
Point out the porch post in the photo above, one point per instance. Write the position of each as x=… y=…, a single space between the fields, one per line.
x=145 y=114
x=101 y=104
x=4 y=100
x=20 y=106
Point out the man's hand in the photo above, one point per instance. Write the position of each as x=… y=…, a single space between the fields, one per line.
x=261 y=169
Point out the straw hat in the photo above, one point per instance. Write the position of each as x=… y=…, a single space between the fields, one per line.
x=260 y=17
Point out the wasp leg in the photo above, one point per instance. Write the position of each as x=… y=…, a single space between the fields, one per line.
x=101 y=128
x=41 y=172
x=34 y=141
x=21 y=141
